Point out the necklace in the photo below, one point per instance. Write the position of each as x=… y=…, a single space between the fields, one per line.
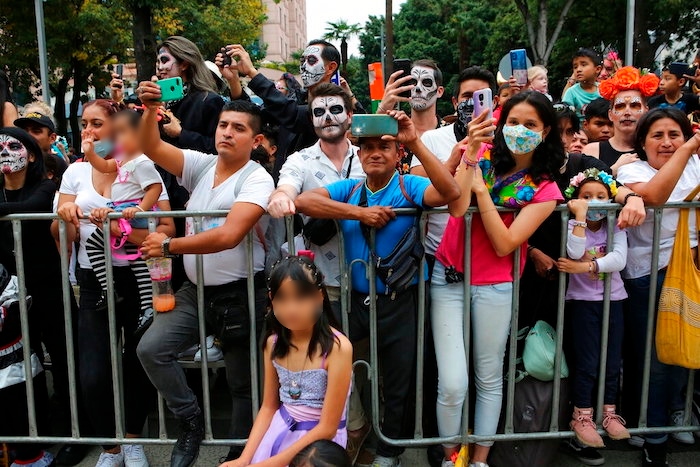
x=295 y=387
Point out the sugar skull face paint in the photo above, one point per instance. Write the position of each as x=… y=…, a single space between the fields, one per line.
x=635 y=104
x=167 y=65
x=330 y=118
x=13 y=155
x=424 y=95
x=311 y=66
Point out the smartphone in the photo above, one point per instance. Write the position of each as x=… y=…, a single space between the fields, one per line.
x=227 y=58
x=368 y=125
x=518 y=62
x=335 y=79
x=404 y=65
x=483 y=102
x=119 y=70
x=171 y=89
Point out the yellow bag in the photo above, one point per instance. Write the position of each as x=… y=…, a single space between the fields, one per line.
x=463 y=457
x=678 y=321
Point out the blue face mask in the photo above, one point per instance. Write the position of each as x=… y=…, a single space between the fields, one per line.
x=521 y=140
x=103 y=147
x=594 y=216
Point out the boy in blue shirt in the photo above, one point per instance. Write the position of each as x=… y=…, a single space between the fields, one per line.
x=587 y=66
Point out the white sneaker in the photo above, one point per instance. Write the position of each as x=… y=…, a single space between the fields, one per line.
x=214 y=353
x=107 y=459
x=134 y=456
x=380 y=461
x=636 y=441
x=478 y=464
x=45 y=460
x=447 y=463
x=684 y=437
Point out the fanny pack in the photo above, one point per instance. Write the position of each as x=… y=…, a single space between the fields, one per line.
x=398 y=269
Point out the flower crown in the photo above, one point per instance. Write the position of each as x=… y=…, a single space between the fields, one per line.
x=627 y=78
x=588 y=175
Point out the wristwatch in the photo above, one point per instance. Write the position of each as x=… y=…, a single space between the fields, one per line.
x=628 y=195
x=165 y=248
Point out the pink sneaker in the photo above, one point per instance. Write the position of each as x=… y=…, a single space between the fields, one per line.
x=585 y=429
x=614 y=424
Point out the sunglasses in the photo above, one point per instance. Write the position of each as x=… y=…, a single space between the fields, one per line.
x=564 y=107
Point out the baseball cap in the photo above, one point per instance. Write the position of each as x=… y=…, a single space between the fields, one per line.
x=38 y=119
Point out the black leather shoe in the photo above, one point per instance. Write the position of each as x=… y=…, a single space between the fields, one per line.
x=72 y=454
x=186 y=448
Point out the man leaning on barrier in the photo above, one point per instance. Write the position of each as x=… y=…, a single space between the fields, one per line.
x=226 y=181
x=363 y=205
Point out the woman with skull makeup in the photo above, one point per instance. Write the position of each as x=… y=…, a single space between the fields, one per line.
x=26 y=189
x=84 y=189
x=515 y=168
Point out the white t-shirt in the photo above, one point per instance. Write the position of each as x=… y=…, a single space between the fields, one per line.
x=308 y=169
x=640 y=238
x=440 y=142
x=133 y=178
x=198 y=178
x=77 y=181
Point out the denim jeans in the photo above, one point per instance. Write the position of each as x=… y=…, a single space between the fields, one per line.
x=490 y=326
x=587 y=322
x=665 y=381
x=178 y=330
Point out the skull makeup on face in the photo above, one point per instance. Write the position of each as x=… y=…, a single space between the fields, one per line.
x=311 y=66
x=330 y=118
x=634 y=103
x=13 y=155
x=167 y=65
x=424 y=95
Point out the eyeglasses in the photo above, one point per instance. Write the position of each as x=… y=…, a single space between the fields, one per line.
x=563 y=107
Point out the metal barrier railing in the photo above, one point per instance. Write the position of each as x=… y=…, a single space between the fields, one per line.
x=373 y=370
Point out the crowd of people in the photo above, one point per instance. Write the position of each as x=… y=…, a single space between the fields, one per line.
x=618 y=135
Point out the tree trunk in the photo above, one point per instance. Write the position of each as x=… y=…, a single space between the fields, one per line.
x=144 y=44
x=389 y=39
x=344 y=54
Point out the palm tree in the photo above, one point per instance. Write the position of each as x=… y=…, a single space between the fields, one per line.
x=342 y=31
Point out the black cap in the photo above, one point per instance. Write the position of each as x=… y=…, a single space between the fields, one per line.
x=679 y=69
x=37 y=119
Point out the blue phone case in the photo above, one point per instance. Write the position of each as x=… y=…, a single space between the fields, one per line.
x=518 y=62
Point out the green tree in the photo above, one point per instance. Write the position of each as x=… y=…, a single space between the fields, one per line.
x=342 y=31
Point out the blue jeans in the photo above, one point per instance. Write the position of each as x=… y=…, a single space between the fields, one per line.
x=587 y=322
x=490 y=324
x=665 y=381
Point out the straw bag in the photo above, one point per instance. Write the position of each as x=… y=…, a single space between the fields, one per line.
x=678 y=321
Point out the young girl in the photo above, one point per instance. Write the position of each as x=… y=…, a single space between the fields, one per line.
x=308 y=366
x=587 y=246
x=137 y=188
x=514 y=169
x=537 y=80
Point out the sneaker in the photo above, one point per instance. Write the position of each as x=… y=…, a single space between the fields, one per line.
x=655 y=455
x=478 y=464
x=134 y=456
x=186 y=448
x=107 y=459
x=614 y=424
x=447 y=463
x=584 y=454
x=45 y=459
x=214 y=353
x=381 y=461
x=585 y=429
x=356 y=438
x=684 y=437
x=636 y=441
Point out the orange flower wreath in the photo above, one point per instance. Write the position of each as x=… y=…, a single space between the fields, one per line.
x=628 y=78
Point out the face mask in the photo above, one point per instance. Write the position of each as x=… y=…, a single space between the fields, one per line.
x=103 y=147
x=424 y=94
x=465 y=112
x=521 y=140
x=312 y=67
x=594 y=216
x=13 y=155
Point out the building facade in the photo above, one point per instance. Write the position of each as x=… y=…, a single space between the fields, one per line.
x=284 y=32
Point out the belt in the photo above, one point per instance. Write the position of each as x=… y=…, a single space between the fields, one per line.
x=293 y=426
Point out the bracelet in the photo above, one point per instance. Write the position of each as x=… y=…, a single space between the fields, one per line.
x=590 y=267
x=380 y=108
x=580 y=224
x=165 y=248
x=468 y=162
x=631 y=194
x=140 y=208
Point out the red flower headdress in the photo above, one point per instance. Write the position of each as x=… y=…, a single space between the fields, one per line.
x=628 y=78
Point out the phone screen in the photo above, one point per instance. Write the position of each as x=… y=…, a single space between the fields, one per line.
x=404 y=65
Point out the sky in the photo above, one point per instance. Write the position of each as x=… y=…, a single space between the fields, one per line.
x=320 y=12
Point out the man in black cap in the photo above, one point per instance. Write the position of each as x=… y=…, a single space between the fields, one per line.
x=43 y=130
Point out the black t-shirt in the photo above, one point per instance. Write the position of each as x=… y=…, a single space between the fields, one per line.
x=688 y=103
x=609 y=154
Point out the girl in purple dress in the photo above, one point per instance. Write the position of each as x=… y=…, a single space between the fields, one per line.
x=308 y=367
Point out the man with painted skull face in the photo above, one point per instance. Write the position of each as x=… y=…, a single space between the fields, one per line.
x=318 y=64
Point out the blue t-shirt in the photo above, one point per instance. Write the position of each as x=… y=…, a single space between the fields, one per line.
x=387 y=237
x=579 y=98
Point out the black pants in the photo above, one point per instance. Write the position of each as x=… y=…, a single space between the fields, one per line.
x=396 y=341
x=13 y=415
x=95 y=355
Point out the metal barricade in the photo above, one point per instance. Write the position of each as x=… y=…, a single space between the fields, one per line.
x=418 y=439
